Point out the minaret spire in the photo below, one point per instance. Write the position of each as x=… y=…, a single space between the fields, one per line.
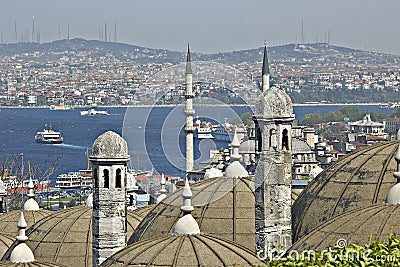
x=265 y=70
x=189 y=112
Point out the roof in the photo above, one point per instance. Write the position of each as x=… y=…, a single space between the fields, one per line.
x=360 y=179
x=376 y=222
x=9 y=220
x=183 y=250
x=224 y=207
x=29 y=264
x=110 y=145
x=65 y=237
x=6 y=241
x=300 y=146
x=274 y=103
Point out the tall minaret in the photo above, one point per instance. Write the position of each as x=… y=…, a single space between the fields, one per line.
x=265 y=70
x=189 y=112
x=109 y=163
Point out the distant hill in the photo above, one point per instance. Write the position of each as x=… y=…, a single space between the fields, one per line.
x=290 y=53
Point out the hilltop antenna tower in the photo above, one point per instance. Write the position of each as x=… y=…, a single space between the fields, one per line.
x=59 y=32
x=33 y=29
x=68 y=31
x=115 y=31
x=15 y=31
x=105 y=31
x=302 y=32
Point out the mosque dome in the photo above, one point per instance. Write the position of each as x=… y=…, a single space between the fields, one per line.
x=5 y=263
x=65 y=237
x=236 y=169
x=224 y=207
x=314 y=172
x=9 y=220
x=247 y=146
x=183 y=250
x=375 y=222
x=274 y=103
x=110 y=145
x=6 y=242
x=359 y=180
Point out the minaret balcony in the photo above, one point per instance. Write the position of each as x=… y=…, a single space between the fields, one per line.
x=189 y=112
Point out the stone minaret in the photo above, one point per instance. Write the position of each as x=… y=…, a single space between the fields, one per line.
x=189 y=112
x=273 y=119
x=109 y=164
x=265 y=70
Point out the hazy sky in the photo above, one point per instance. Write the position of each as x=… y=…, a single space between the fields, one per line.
x=211 y=25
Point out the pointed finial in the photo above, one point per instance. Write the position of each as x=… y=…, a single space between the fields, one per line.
x=188 y=62
x=187 y=198
x=235 y=140
x=187 y=225
x=31 y=192
x=265 y=67
x=163 y=183
x=21 y=253
x=31 y=203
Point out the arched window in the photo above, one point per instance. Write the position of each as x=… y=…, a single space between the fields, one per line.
x=106 y=174
x=272 y=139
x=285 y=139
x=118 y=179
x=96 y=180
x=259 y=140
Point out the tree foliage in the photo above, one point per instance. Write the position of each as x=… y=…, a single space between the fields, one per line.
x=245 y=118
x=373 y=254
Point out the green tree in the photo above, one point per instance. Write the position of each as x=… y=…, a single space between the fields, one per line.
x=312 y=119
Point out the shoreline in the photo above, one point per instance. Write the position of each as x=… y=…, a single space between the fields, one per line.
x=204 y=105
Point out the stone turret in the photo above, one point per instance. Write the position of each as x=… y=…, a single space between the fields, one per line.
x=21 y=253
x=109 y=162
x=273 y=120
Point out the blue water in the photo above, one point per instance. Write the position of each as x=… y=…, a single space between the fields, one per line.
x=154 y=135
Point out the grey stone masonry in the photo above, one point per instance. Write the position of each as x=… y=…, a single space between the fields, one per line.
x=109 y=196
x=273 y=118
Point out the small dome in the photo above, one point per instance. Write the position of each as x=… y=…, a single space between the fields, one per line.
x=393 y=197
x=355 y=226
x=110 y=145
x=213 y=173
x=223 y=207
x=183 y=250
x=247 y=146
x=360 y=179
x=65 y=237
x=274 y=103
x=314 y=172
x=236 y=169
x=31 y=204
x=9 y=220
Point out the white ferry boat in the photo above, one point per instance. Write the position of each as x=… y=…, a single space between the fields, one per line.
x=203 y=129
x=74 y=180
x=48 y=136
x=224 y=132
x=93 y=112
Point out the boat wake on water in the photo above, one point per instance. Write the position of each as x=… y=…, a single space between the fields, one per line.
x=70 y=146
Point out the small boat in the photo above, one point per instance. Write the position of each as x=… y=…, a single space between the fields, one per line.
x=48 y=136
x=93 y=112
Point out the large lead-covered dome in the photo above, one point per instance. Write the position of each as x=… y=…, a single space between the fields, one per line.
x=359 y=180
x=375 y=222
x=224 y=207
x=274 y=103
x=110 y=145
x=183 y=250
x=65 y=237
x=9 y=220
